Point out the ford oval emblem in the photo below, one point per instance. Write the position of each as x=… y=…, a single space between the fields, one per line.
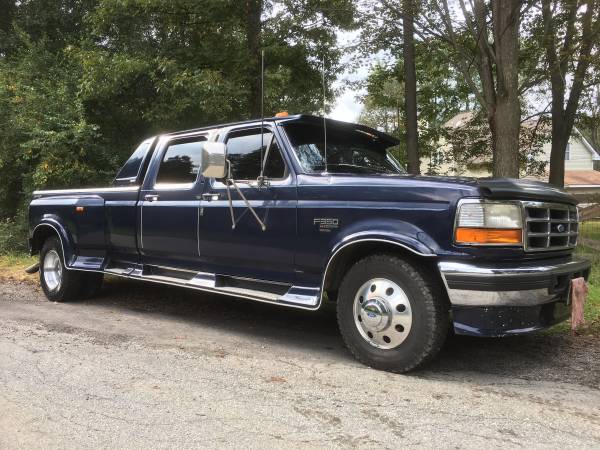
x=560 y=228
x=371 y=314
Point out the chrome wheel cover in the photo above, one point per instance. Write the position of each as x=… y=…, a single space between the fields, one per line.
x=53 y=271
x=382 y=313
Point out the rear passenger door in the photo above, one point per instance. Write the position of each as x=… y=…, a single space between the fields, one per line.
x=247 y=250
x=169 y=204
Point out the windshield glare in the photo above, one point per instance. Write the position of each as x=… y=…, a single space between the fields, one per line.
x=348 y=151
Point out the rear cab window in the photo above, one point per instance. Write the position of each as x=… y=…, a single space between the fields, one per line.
x=180 y=164
x=131 y=170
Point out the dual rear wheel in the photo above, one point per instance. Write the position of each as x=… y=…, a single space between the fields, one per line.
x=60 y=284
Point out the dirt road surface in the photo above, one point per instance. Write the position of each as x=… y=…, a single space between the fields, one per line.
x=151 y=367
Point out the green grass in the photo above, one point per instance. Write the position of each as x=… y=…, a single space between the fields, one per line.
x=591 y=230
x=592 y=306
x=13 y=265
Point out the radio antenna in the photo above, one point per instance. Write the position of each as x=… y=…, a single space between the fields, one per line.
x=324 y=119
x=262 y=114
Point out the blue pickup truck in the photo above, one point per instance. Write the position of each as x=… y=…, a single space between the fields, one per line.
x=298 y=210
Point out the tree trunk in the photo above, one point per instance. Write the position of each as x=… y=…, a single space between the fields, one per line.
x=508 y=109
x=557 y=160
x=557 y=58
x=507 y=124
x=253 y=12
x=410 y=90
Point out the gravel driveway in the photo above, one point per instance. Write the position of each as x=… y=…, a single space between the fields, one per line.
x=144 y=366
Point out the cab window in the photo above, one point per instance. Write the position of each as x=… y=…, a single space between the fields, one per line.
x=181 y=162
x=131 y=168
x=244 y=151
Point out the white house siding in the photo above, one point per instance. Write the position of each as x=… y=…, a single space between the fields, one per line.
x=581 y=157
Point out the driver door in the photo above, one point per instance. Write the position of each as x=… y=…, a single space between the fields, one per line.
x=242 y=248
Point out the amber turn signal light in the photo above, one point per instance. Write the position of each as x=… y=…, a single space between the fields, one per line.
x=282 y=114
x=488 y=236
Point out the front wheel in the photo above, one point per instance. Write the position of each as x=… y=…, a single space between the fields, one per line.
x=391 y=315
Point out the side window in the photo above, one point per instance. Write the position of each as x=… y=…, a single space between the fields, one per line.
x=274 y=165
x=131 y=169
x=181 y=162
x=244 y=152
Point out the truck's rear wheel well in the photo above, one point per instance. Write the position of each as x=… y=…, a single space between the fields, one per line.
x=350 y=255
x=40 y=235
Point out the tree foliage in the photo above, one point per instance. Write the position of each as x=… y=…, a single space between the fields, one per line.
x=462 y=42
x=83 y=81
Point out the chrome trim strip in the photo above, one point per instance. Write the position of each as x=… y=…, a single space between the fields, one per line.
x=531 y=297
x=459 y=268
x=92 y=190
x=332 y=257
x=141 y=205
x=62 y=246
x=199 y=208
x=282 y=300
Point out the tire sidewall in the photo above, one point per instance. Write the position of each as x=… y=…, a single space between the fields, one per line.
x=57 y=295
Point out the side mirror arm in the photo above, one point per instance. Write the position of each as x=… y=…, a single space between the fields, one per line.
x=231 y=182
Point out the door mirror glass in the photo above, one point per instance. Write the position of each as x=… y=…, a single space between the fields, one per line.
x=213 y=160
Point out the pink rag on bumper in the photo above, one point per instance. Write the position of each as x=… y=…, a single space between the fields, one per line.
x=579 y=292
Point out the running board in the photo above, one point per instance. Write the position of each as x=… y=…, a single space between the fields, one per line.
x=263 y=291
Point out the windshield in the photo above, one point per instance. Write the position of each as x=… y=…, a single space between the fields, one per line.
x=348 y=150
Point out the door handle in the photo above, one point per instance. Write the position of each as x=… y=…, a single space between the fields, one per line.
x=210 y=196
x=151 y=197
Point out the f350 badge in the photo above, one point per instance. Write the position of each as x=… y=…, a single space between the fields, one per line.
x=326 y=224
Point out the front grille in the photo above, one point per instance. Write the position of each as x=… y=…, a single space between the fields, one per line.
x=550 y=226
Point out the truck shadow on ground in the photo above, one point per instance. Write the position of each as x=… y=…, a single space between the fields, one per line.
x=542 y=356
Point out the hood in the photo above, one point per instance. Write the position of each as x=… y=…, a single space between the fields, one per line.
x=492 y=188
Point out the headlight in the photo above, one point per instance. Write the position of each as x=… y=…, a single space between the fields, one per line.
x=483 y=223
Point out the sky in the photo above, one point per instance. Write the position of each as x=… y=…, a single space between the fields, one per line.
x=347 y=107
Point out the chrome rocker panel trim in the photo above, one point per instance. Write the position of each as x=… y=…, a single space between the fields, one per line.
x=484 y=285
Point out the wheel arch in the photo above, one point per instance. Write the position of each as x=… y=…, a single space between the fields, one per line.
x=347 y=254
x=50 y=228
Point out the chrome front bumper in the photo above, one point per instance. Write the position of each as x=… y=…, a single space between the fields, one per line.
x=529 y=283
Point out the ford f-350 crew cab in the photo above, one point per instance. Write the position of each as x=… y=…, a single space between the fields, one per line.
x=295 y=210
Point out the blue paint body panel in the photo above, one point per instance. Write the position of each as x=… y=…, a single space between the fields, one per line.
x=308 y=218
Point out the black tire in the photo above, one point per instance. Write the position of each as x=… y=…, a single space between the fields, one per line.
x=72 y=283
x=429 y=314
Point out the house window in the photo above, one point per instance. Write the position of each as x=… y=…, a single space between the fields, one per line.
x=568 y=152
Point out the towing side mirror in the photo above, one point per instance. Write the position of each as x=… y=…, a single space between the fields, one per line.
x=213 y=160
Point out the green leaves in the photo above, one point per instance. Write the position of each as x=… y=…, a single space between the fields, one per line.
x=84 y=81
